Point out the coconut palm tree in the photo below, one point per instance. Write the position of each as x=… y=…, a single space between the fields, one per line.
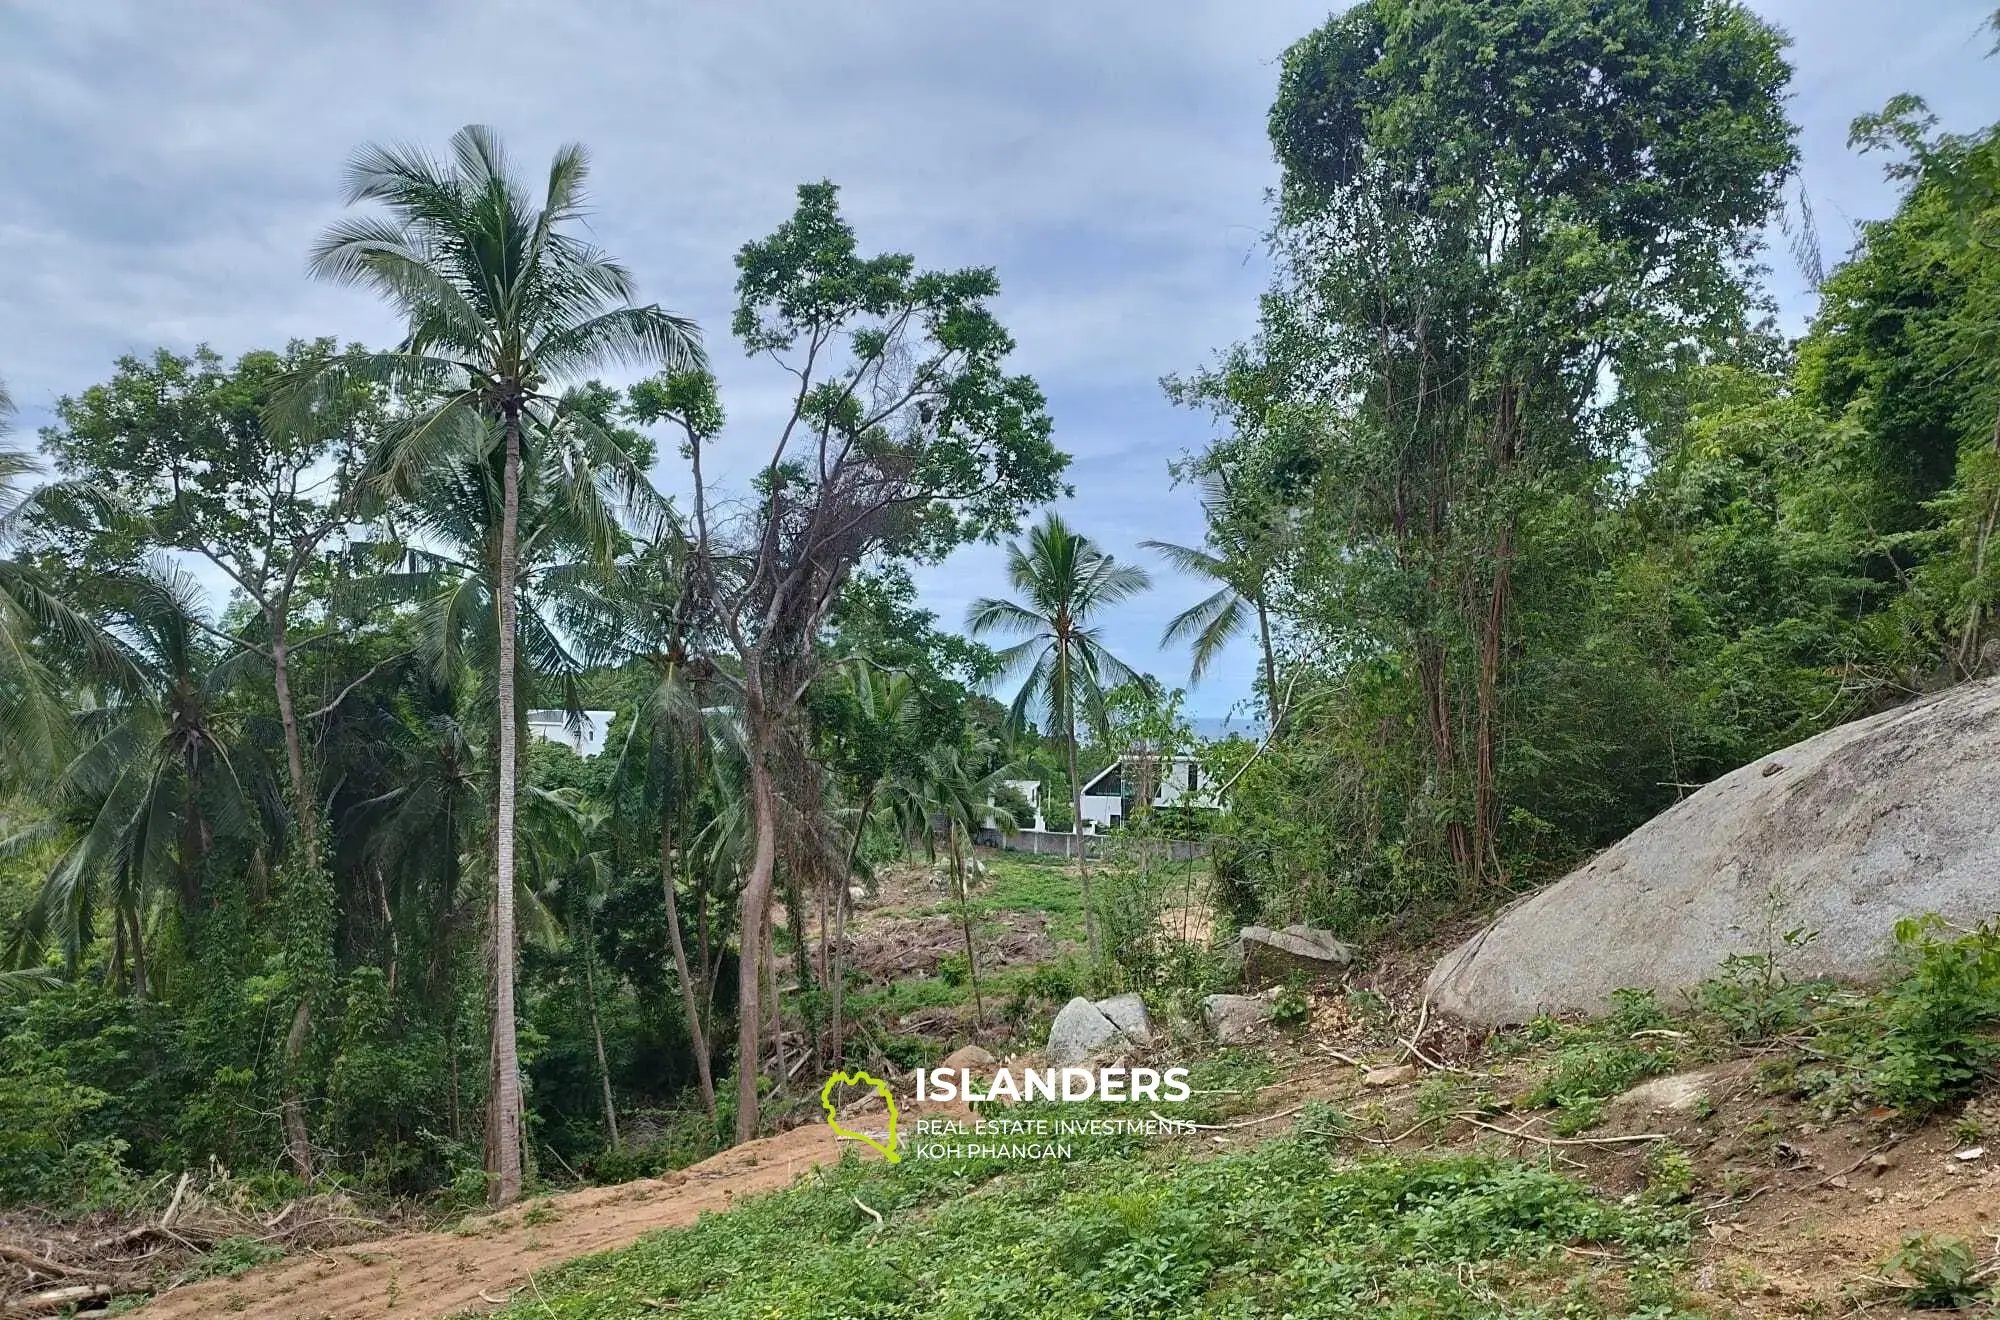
x=1239 y=560
x=503 y=303
x=37 y=627
x=162 y=778
x=1065 y=581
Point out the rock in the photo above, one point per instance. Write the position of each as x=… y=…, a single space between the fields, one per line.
x=1081 y=1033
x=1857 y=827
x=1678 y=1094
x=1391 y=1076
x=968 y=1056
x=1268 y=955
x=1128 y=1014
x=1236 y=1019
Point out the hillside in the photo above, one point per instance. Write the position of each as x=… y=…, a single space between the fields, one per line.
x=1736 y=1160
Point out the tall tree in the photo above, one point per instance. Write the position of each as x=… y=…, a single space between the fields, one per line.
x=183 y=441
x=1500 y=227
x=904 y=437
x=1245 y=543
x=38 y=626
x=504 y=302
x=1065 y=581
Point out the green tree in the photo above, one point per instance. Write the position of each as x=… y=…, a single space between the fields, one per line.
x=1064 y=581
x=41 y=633
x=157 y=785
x=183 y=441
x=1502 y=229
x=904 y=437
x=503 y=303
x=1242 y=559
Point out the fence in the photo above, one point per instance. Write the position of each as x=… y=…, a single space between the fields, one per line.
x=1051 y=844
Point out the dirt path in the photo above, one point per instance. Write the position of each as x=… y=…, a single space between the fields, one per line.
x=476 y=1267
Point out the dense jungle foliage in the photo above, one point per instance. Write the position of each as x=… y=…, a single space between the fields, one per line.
x=1535 y=519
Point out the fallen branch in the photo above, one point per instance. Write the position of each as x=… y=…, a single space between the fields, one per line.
x=1224 y=1127
x=174 y=1206
x=1522 y=1134
x=58 y=1298
x=1841 y=1173
x=42 y=1264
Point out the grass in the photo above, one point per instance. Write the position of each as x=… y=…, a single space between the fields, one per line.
x=1126 y=1229
x=1134 y=1227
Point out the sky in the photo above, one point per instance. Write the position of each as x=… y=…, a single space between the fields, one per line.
x=173 y=160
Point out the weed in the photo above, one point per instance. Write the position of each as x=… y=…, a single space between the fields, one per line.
x=1940 y=1015
x=1291 y=1007
x=1756 y=997
x=1670 y=1175
x=1243 y=1233
x=235 y=1256
x=1584 y=1074
x=1935 y=1273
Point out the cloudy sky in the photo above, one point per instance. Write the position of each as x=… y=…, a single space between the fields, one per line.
x=172 y=160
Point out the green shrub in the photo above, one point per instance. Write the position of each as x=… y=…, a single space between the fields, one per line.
x=1935 y=1273
x=1583 y=1075
x=1940 y=1017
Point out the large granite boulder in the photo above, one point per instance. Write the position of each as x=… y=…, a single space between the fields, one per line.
x=1084 y=1031
x=1842 y=835
x=1267 y=956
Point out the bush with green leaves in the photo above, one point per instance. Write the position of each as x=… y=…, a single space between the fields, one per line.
x=1940 y=1020
x=1936 y=1273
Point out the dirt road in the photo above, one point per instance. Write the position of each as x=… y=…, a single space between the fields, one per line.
x=476 y=1267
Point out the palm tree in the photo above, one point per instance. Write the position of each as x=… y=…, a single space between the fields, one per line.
x=946 y=790
x=1240 y=563
x=503 y=304
x=641 y=612
x=36 y=627
x=160 y=780
x=1065 y=581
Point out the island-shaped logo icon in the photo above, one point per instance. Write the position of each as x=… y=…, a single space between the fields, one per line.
x=832 y=1120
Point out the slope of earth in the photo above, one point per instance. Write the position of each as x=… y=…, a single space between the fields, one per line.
x=1315 y=1184
x=485 y=1261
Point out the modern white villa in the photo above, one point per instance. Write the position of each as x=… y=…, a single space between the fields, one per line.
x=584 y=735
x=1175 y=781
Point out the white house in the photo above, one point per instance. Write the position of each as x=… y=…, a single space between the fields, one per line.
x=584 y=735
x=1176 y=782
x=1030 y=789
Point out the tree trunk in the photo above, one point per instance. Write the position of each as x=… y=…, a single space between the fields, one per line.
x=777 y=1002
x=597 y=1036
x=1485 y=814
x=838 y=970
x=750 y=936
x=1270 y=668
x=965 y=921
x=298 y=1139
x=697 y=1037
x=298 y=1142
x=504 y=1106
x=1076 y=800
